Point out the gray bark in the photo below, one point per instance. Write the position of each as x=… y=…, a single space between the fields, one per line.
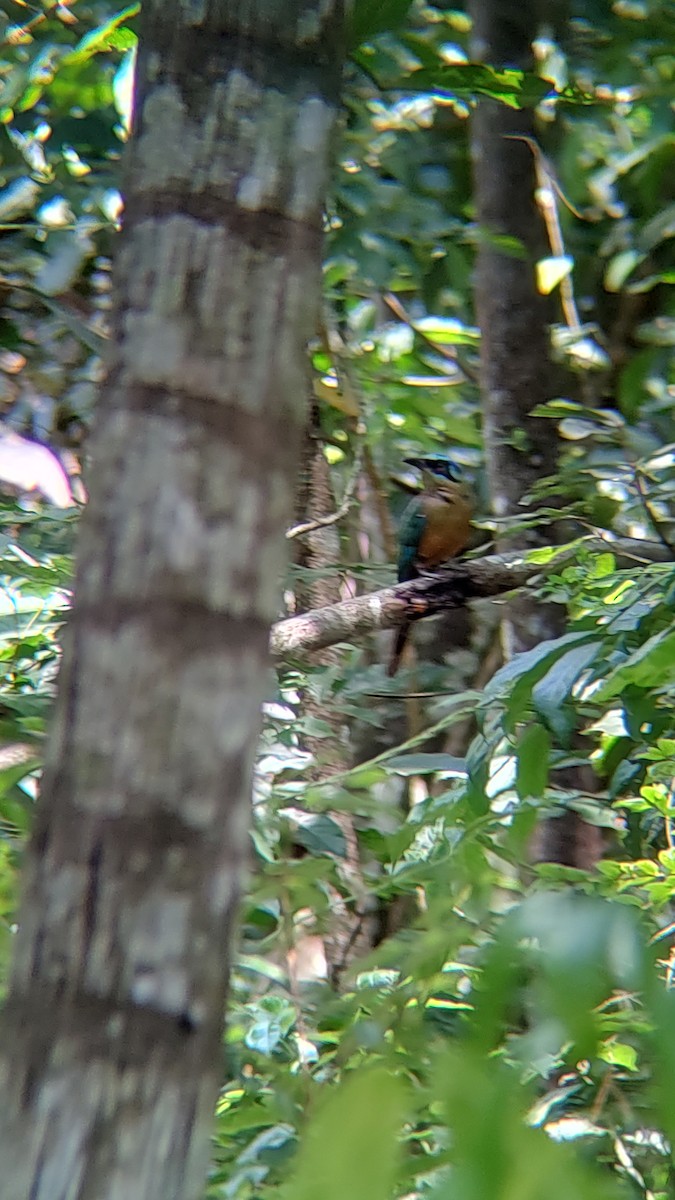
x=515 y=368
x=110 y=1054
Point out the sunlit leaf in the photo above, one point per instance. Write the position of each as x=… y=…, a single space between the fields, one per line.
x=105 y=37
x=551 y=271
x=620 y=268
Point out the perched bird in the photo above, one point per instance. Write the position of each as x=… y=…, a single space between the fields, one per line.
x=435 y=526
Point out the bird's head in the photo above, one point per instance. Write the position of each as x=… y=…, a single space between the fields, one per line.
x=437 y=468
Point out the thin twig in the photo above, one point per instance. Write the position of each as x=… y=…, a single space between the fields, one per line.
x=394 y=304
x=603 y=536
x=547 y=189
x=340 y=512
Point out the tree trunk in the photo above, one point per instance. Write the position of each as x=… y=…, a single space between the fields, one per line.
x=351 y=928
x=515 y=367
x=516 y=372
x=110 y=1056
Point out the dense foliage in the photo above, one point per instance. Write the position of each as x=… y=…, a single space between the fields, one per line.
x=472 y=1003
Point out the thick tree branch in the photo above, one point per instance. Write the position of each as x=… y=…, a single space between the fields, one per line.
x=451 y=588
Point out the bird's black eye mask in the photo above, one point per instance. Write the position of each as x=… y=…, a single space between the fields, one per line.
x=443 y=467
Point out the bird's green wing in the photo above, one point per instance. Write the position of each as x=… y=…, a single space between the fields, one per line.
x=413 y=522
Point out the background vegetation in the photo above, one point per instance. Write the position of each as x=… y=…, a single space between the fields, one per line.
x=511 y=1028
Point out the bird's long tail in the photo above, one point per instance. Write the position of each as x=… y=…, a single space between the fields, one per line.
x=400 y=642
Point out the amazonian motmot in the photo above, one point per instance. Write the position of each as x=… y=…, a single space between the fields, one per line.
x=435 y=526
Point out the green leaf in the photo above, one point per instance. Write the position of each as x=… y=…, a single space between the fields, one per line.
x=261 y=966
x=350 y=1151
x=659 y=228
x=605 y=564
x=660 y=332
x=517 y=89
x=425 y=764
x=104 y=37
x=494 y=1153
x=550 y=693
x=369 y=17
x=447 y=331
x=534 y=748
x=650 y=666
x=274 y=1017
x=532 y=663
x=546 y=553
x=586 y=946
x=319 y=834
x=619 y=268
x=619 y=1054
x=10 y=776
x=551 y=271
x=661 y=1005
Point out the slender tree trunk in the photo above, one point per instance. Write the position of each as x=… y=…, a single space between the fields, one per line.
x=516 y=371
x=110 y=1053
x=351 y=929
x=515 y=366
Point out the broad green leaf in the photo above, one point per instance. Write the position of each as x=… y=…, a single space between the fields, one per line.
x=551 y=691
x=533 y=752
x=586 y=946
x=650 y=666
x=123 y=88
x=619 y=1054
x=11 y=775
x=659 y=228
x=319 y=834
x=605 y=564
x=532 y=663
x=660 y=332
x=620 y=267
x=261 y=966
x=350 y=1149
x=545 y=554
x=575 y=429
x=494 y=1153
x=17 y=199
x=425 y=764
